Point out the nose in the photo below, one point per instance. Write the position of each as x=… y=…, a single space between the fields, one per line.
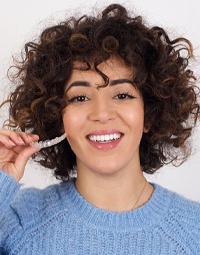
x=102 y=110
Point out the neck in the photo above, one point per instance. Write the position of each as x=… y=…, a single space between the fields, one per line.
x=117 y=193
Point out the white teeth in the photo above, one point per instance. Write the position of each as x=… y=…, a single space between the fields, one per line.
x=104 y=138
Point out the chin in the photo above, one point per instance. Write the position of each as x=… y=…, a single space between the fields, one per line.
x=109 y=170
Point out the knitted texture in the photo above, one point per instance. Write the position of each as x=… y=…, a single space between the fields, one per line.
x=58 y=220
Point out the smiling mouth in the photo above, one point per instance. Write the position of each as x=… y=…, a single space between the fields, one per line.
x=105 y=138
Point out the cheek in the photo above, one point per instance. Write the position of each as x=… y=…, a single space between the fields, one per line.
x=72 y=122
x=136 y=118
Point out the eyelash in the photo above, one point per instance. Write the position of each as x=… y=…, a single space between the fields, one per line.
x=82 y=98
x=126 y=95
x=76 y=98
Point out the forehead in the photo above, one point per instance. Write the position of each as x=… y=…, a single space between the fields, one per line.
x=114 y=67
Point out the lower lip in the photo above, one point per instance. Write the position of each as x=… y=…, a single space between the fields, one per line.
x=106 y=145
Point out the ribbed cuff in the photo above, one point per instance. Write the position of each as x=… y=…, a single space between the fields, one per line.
x=8 y=188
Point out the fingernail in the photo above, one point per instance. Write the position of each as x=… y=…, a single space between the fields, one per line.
x=20 y=140
x=12 y=143
x=30 y=137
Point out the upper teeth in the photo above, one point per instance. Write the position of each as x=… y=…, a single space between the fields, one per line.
x=104 y=138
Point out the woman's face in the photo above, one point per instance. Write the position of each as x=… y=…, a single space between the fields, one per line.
x=104 y=126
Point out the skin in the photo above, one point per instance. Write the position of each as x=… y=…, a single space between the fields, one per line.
x=109 y=175
x=15 y=152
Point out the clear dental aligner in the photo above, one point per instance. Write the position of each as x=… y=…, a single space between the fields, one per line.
x=48 y=143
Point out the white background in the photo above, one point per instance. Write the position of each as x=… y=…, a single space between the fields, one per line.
x=22 y=20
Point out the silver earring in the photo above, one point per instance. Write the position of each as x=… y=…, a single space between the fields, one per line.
x=48 y=143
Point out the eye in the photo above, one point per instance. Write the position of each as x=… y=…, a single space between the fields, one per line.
x=123 y=96
x=80 y=98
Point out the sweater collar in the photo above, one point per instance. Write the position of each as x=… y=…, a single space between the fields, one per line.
x=143 y=217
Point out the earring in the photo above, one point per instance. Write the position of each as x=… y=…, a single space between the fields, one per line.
x=48 y=143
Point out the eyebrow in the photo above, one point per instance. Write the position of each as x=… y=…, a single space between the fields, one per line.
x=87 y=84
x=120 y=81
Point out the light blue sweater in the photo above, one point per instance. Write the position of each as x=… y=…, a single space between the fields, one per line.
x=58 y=220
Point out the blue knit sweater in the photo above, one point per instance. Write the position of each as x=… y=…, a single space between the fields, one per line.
x=58 y=220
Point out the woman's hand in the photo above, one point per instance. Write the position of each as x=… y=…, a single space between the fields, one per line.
x=15 y=151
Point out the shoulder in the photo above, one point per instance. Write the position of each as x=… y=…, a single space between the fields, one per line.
x=33 y=200
x=30 y=209
x=180 y=205
x=177 y=202
x=32 y=206
x=186 y=212
x=181 y=220
x=175 y=206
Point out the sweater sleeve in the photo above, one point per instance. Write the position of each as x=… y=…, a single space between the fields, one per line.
x=8 y=189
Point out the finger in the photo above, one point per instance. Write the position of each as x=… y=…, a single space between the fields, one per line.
x=14 y=161
x=10 y=138
x=6 y=141
x=22 y=159
x=21 y=138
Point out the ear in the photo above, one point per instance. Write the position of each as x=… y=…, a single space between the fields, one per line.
x=146 y=128
x=62 y=129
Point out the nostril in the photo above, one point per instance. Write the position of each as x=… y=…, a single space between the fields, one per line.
x=102 y=117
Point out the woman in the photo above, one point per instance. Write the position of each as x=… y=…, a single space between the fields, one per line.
x=124 y=97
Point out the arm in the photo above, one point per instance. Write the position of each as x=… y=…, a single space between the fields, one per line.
x=15 y=150
x=8 y=189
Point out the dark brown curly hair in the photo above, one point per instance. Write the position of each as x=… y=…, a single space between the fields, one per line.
x=162 y=76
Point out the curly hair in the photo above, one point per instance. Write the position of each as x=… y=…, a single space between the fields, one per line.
x=167 y=86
